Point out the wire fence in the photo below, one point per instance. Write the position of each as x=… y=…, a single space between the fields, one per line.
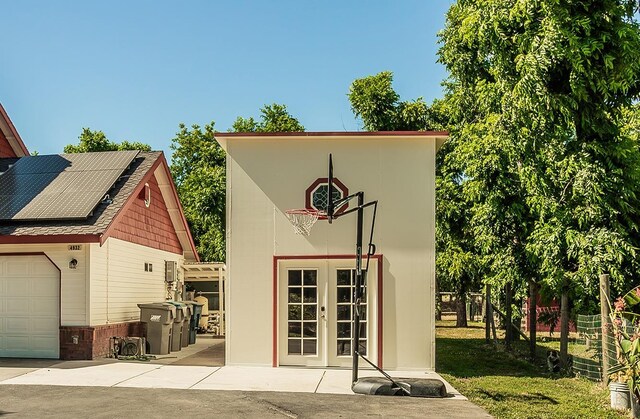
x=587 y=353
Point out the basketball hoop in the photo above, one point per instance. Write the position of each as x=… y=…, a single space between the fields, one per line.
x=302 y=220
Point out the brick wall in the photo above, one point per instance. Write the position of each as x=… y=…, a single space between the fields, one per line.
x=93 y=341
x=151 y=227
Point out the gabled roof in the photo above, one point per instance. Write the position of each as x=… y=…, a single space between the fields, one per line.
x=9 y=132
x=97 y=227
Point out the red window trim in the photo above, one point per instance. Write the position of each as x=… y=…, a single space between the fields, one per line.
x=277 y=259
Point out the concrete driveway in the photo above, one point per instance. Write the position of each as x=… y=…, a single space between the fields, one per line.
x=171 y=384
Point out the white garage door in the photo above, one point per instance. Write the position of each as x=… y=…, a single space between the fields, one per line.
x=29 y=307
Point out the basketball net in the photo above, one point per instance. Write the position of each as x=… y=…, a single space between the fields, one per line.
x=302 y=220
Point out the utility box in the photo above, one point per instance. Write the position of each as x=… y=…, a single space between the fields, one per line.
x=195 y=320
x=159 y=318
x=178 y=321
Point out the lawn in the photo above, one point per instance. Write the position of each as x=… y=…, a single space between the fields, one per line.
x=509 y=386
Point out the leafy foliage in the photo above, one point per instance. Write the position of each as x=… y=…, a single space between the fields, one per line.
x=198 y=169
x=377 y=104
x=273 y=118
x=97 y=141
x=537 y=93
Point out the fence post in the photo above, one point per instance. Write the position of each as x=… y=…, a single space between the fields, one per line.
x=605 y=297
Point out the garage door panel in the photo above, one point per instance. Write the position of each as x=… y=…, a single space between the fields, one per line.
x=17 y=325
x=17 y=267
x=17 y=287
x=17 y=342
x=44 y=325
x=29 y=307
x=42 y=287
x=42 y=306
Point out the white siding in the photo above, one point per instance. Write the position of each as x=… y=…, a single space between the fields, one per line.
x=119 y=281
x=73 y=296
x=268 y=175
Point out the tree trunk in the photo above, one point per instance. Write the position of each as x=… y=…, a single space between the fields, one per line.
x=564 y=326
x=533 y=318
x=508 y=336
x=461 y=310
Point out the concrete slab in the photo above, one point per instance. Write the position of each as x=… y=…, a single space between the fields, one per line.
x=101 y=375
x=262 y=379
x=7 y=373
x=170 y=376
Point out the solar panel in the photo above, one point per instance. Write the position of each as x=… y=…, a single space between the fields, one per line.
x=65 y=186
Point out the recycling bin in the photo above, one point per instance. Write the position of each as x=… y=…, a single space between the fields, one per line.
x=195 y=320
x=178 y=321
x=186 y=325
x=159 y=318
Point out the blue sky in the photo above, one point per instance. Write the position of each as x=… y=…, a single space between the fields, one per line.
x=136 y=69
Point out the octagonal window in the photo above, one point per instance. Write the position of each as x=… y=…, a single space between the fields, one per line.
x=317 y=193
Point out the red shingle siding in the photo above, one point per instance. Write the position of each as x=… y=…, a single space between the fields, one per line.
x=151 y=227
x=5 y=147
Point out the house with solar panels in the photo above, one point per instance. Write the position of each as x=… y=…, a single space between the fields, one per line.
x=84 y=238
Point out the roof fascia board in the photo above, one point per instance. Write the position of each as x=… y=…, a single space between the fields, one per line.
x=11 y=134
x=57 y=238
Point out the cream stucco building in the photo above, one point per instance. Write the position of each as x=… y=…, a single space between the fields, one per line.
x=288 y=296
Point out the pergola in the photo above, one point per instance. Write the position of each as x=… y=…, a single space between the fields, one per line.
x=211 y=272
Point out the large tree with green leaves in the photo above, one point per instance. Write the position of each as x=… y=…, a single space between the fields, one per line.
x=374 y=100
x=97 y=141
x=540 y=89
x=198 y=169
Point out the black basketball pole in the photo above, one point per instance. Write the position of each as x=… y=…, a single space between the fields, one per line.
x=357 y=295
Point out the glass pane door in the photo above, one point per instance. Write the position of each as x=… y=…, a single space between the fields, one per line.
x=345 y=294
x=302 y=312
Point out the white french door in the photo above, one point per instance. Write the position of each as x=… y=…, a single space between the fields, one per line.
x=316 y=312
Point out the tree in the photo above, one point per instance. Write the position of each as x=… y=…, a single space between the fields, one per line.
x=97 y=141
x=540 y=88
x=198 y=169
x=274 y=118
x=377 y=104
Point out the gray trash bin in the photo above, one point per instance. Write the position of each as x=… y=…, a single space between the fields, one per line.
x=178 y=321
x=159 y=318
x=186 y=325
x=195 y=320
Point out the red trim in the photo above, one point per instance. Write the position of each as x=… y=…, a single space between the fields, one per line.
x=277 y=259
x=320 y=181
x=14 y=132
x=59 y=280
x=54 y=238
x=334 y=134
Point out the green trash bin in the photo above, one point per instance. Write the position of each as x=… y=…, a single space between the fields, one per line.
x=178 y=321
x=186 y=325
x=195 y=320
x=159 y=318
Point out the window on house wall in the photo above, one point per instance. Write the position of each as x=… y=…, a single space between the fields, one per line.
x=148 y=267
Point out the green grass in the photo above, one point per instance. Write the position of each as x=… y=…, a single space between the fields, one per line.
x=509 y=386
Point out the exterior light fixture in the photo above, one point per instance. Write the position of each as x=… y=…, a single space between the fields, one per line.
x=73 y=263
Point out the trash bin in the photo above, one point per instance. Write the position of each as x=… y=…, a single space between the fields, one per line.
x=195 y=320
x=204 y=314
x=159 y=318
x=178 y=321
x=186 y=325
